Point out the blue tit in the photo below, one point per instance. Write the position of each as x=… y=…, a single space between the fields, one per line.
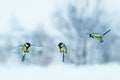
x=98 y=36
x=63 y=49
x=25 y=49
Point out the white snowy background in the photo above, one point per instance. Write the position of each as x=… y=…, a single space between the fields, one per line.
x=46 y=23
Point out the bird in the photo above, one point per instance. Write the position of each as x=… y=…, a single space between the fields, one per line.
x=26 y=47
x=63 y=49
x=97 y=36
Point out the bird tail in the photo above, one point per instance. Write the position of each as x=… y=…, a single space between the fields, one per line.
x=106 y=32
x=63 y=57
x=23 y=58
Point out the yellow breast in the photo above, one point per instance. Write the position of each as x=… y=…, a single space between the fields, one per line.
x=25 y=49
x=63 y=49
x=97 y=37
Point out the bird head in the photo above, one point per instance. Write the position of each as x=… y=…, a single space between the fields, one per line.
x=60 y=44
x=27 y=44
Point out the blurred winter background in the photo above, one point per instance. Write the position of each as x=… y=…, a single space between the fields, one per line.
x=46 y=23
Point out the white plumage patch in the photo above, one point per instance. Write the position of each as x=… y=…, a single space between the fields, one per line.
x=62 y=45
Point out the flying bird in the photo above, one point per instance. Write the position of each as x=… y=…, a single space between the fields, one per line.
x=26 y=47
x=97 y=36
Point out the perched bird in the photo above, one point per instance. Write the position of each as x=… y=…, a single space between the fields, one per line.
x=26 y=49
x=63 y=49
x=98 y=36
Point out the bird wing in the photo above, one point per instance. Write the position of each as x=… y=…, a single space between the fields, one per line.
x=65 y=48
x=18 y=46
x=36 y=45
